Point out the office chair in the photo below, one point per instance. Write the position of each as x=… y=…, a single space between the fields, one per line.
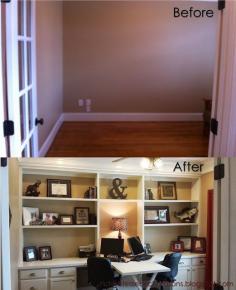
x=100 y=273
x=171 y=261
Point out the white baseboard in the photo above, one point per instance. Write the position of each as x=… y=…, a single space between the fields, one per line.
x=48 y=142
x=132 y=117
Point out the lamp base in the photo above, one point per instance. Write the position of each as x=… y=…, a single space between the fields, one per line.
x=119 y=235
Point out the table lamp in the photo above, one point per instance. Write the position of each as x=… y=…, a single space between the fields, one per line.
x=119 y=224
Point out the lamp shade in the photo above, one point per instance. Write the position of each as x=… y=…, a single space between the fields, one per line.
x=119 y=224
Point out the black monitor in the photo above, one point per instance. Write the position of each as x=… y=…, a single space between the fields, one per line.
x=135 y=245
x=112 y=247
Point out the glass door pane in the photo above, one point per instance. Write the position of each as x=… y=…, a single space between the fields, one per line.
x=21 y=17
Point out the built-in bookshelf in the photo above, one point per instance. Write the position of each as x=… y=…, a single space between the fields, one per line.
x=66 y=239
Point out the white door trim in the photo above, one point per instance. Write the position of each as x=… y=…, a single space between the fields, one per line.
x=224 y=102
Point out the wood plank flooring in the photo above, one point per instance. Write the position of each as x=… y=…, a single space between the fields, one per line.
x=134 y=139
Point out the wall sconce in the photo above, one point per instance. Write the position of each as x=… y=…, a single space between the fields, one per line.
x=119 y=224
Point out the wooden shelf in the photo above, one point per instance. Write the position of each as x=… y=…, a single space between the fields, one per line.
x=60 y=227
x=57 y=198
x=118 y=200
x=171 y=225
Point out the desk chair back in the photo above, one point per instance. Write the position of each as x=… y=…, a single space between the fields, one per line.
x=171 y=261
x=100 y=273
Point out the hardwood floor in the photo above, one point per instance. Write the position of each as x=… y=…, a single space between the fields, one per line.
x=134 y=139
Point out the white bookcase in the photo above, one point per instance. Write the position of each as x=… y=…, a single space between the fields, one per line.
x=66 y=239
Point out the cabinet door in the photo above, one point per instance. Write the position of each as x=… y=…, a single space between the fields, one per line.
x=198 y=278
x=37 y=284
x=63 y=283
x=183 y=279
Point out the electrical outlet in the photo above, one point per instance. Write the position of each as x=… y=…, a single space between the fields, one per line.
x=81 y=102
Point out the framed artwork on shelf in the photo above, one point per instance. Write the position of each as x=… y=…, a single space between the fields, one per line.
x=45 y=253
x=177 y=246
x=58 y=188
x=167 y=190
x=187 y=240
x=49 y=219
x=198 y=245
x=81 y=215
x=66 y=220
x=156 y=215
x=30 y=254
x=30 y=215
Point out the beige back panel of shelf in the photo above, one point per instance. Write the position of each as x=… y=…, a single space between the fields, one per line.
x=78 y=184
x=121 y=209
x=64 y=242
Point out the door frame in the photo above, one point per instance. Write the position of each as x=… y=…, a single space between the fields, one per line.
x=16 y=146
x=3 y=150
x=224 y=101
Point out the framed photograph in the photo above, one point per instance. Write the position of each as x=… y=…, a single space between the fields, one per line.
x=66 y=220
x=45 y=253
x=187 y=240
x=156 y=215
x=177 y=246
x=30 y=215
x=167 y=190
x=58 y=188
x=50 y=218
x=30 y=254
x=198 y=245
x=81 y=215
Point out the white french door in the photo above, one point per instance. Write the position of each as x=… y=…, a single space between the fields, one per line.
x=21 y=77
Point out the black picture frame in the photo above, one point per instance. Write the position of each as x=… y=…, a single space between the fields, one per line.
x=198 y=245
x=30 y=254
x=156 y=215
x=63 y=220
x=81 y=215
x=164 y=190
x=45 y=253
x=55 y=190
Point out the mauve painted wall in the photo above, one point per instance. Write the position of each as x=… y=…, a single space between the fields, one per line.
x=135 y=57
x=49 y=25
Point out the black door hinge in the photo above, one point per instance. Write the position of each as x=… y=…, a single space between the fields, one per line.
x=3 y=162
x=221 y=4
x=8 y=128
x=214 y=126
x=219 y=171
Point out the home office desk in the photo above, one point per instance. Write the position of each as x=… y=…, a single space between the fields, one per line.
x=31 y=274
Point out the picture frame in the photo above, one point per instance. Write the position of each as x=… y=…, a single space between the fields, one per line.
x=30 y=254
x=81 y=215
x=50 y=219
x=29 y=215
x=187 y=240
x=167 y=190
x=45 y=253
x=198 y=245
x=156 y=215
x=66 y=220
x=59 y=188
x=177 y=246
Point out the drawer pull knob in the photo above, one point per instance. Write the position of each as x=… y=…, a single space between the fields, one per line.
x=32 y=288
x=62 y=272
x=201 y=261
x=32 y=274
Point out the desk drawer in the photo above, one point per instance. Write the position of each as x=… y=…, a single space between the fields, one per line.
x=33 y=274
x=198 y=261
x=62 y=272
x=184 y=262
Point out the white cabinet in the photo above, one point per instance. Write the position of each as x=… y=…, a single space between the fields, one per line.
x=68 y=283
x=36 y=284
x=183 y=277
x=198 y=278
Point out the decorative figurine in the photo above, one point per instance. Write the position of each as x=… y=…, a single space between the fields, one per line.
x=117 y=191
x=32 y=190
x=187 y=215
x=149 y=194
x=91 y=192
